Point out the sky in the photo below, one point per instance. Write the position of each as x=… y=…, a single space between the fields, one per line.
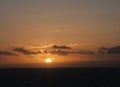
x=66 y=30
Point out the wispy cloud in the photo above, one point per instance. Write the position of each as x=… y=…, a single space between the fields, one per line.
x=59 y=52
x=7 y=53
x=61 y=47
x=64 y=50
x=25 y=51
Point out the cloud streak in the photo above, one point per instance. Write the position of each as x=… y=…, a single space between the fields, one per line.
x=59 y=52
x=61 y=47
x=7 y=53
x=25 y=51
x=66 y=53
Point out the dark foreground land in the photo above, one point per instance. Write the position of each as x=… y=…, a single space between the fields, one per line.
x=60 y=77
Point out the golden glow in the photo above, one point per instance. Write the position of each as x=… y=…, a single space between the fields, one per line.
x=48 y=60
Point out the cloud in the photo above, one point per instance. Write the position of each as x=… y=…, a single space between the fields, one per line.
x=59 y=52
x=61 y=47
x=25 y=51
x=51 y=47
x=112 y=50
x=65 y=53
x=102 y=50
x=7 y=53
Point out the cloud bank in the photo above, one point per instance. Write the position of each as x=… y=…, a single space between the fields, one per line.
x=61 y=50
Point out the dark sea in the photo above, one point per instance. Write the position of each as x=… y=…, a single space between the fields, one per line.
x=60 y=77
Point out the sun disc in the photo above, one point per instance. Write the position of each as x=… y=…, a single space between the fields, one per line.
x=48 y=60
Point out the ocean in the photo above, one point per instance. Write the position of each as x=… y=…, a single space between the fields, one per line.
x=60 y=77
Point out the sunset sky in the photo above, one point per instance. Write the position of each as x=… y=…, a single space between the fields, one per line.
x=68 y=31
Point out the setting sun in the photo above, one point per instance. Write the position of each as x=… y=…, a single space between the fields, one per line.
x=48 y=60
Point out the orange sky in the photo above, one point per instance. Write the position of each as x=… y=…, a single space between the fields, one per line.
x=81 y=25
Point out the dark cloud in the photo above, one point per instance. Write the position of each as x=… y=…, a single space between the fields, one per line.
x=112 y=50
x=61 y=47
x=59 y=52
x=25 y=51
x=65 y=53
x=7 y=53
x=102 y=50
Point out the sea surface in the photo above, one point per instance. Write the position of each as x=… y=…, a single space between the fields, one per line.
x=60 y=77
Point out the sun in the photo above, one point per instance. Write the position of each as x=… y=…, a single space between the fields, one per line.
x=48 y=60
